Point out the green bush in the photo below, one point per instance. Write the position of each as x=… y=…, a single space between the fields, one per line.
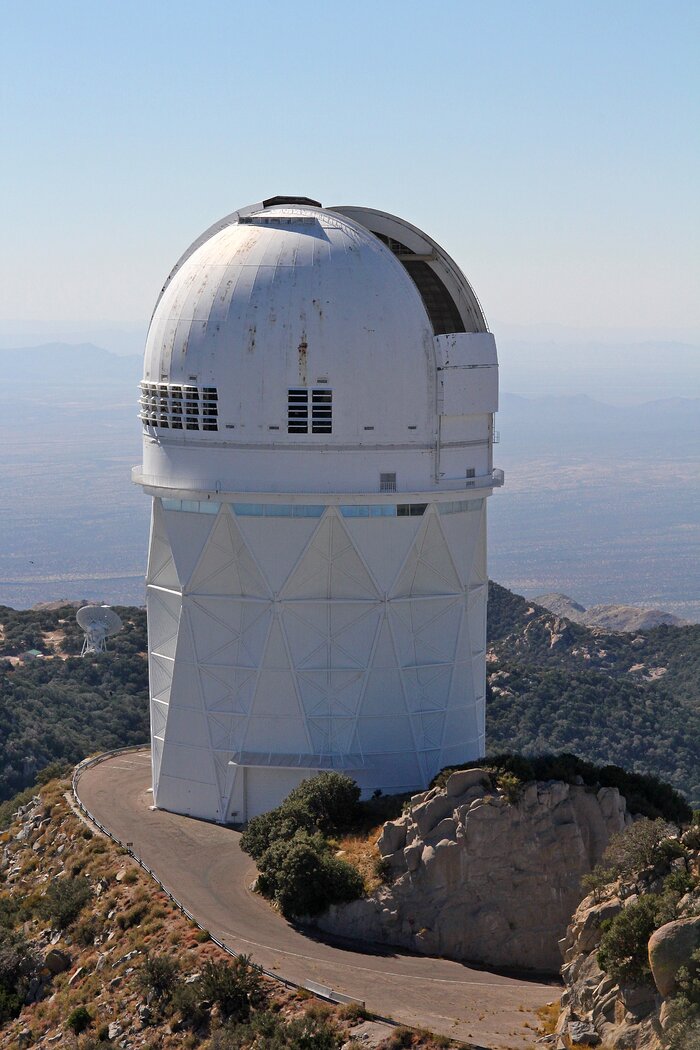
x=18 y=960
x=683 y=1031
x=132 y=917
x=304 y=877
x=86 y=931
x=158 y=976
x=236 y=988
x=64 y=900
x=272 y=1032
x=331 y=799
x=79 y=1019
x=279 y=824
x=623 y=947
x=327 y=802
x=187 y=1001
x=10 y=1005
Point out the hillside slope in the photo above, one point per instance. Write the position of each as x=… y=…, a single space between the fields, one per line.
x=632 y=700
x=553 y=685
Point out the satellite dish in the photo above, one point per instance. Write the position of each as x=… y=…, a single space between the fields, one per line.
x=99 y=623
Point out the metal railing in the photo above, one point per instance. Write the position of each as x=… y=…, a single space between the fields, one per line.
x=319 y=990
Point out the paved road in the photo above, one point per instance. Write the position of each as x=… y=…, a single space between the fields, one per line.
x=204 y=867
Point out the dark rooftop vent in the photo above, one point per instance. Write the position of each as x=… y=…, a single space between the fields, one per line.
x=271 y=202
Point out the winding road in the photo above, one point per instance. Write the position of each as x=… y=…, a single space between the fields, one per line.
x=203 y=866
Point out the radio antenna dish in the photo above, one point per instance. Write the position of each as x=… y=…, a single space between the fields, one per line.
x=99 y=623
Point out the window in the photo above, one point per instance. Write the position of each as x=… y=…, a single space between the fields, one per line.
x=373 y=510
x=193 y=506
x=471 y=474
x=458 y=506
x=170 y=405
x=387 y=482
x=298 y=411
x=413 y=510
x=322 y=412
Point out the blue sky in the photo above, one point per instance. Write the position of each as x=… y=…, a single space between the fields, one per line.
x=551 y=147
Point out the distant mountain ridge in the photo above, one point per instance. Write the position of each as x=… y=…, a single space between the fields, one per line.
x=625 y=618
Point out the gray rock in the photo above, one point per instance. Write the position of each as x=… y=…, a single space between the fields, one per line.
x=369 y=1034
x=429 y=813
x=56 y=961
x=115 y=1030
x=581 y=1033
x=393 y=837
x=670 y=947
x=460 y=782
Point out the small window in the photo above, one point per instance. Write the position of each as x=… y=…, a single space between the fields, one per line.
x=412 y=510
x=322 y=412
x=387 y=482
x=298 y=411
x=471 y=474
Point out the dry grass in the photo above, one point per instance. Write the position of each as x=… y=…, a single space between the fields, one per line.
x=548 y=1015
x=361 y=851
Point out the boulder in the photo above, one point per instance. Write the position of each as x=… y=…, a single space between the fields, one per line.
x=393 y=837
x=581 y=1033
x=56 y=961
x=670 y=947
x=431 y=812
x=460 y=782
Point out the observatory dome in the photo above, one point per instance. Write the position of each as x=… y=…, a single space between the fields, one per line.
x=279 y=300
x=317 y=407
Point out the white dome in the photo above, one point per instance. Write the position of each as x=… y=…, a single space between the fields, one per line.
x=293 y=297
x=282 y=299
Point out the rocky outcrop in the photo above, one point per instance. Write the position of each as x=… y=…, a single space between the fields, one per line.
x=622 y=618
x=636 y=1017
x=477 y=877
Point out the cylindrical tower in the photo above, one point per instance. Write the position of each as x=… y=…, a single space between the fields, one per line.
x=317 y=407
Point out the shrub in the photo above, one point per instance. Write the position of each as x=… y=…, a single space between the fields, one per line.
x=187 y=1001
x=64 y=900
x=510 y=785
x=17 y=961
x=236 y=988
x=327 y=802
x=303 y=876
x=10 y=1005
x=132 y=917
x=279 y=824
x=636 y=847
x=623 y=945
x=86 y=931
x=79 y=1019
x=158 y=976
x=270 y=1031
x=331 y=799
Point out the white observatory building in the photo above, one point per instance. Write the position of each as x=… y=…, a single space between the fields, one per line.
x=317 y=404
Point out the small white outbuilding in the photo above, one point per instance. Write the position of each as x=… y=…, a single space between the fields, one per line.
x=317 y=406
